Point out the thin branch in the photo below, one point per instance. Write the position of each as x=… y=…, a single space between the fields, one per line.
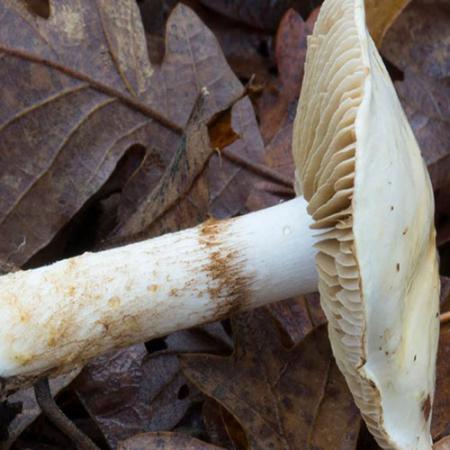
x=52 y=411
x=259 y=169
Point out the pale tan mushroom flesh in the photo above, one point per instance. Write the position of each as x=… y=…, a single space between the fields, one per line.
x=361 y=170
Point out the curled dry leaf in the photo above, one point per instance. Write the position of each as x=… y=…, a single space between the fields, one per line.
x=282 y=398
x=165 y=441
x=130 y=392
x=419 y=44
x=380 y=15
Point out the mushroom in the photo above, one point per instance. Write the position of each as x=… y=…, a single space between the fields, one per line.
x=361 y=181
x=361 y=171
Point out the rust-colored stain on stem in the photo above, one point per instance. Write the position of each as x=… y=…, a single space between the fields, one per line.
x=230 y=284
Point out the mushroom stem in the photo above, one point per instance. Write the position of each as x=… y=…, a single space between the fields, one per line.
x=56 y=317
x=445 y=317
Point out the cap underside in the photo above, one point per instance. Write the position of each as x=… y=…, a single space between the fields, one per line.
x=357 y=158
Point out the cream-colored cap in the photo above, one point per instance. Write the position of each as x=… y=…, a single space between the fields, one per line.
x=361 y=170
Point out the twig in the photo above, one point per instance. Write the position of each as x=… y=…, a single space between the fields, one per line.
x=52 y=411
x=259 y=169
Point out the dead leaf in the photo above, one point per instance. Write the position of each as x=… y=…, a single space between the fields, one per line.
x=213 y=418
x=193 y=51
x=297 y=317
x=445 y=290
x=230 y=183
x=188 y=161
x=223 y=187
x=282 y=399
x=71 y=110
x=247 y=50
x=264 y=14
x=419 y=44
x=68 y=112
x=443 y=444
x=381 y=14
x=165 y=441
x=29 y=407
x=278 y=103
x=440 y=424
x=129 y=392
x=210 y=338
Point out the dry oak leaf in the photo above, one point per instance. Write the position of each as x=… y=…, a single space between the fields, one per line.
x=73 y=98
x=193 y=61
x=128 y=392
x=282 y=398
x=419 y=44
x=77 y=92
x=165 y=441
x=381 y=14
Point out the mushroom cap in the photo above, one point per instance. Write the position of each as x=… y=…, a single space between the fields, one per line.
x=361 y=170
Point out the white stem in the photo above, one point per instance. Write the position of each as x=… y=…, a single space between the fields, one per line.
x=58 y=316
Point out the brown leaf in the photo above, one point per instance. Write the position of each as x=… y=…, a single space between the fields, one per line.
x=29 y=409
x=213 y=419
x=419 y=44
x=223 y=187
x=210 y=338
x=265 y=14
x=440 y=425
x=297 y=317
x=230 y=183
x=129 y=392
x=380 y=15
x=283 y=399
x=71 y=110
x=192 y=51
x=165 y=441
x=247 y=50
x=443 y=444
x=445 y=291
x=187 y=163
x=278 y=104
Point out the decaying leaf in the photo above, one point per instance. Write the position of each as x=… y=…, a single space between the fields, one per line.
x=282 y=398
x=264 y=14
x=187 y=163
x=165 y=441
x=71 y=111
x=419 y=44
x=440 y=425
x=130 y=392
x=29 y=409
x=299 y=316
x=68 y=112
x=443 y=444
x=381 y=14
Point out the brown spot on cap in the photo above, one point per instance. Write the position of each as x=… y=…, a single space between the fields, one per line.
x=426 y=407
x=398 y=267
